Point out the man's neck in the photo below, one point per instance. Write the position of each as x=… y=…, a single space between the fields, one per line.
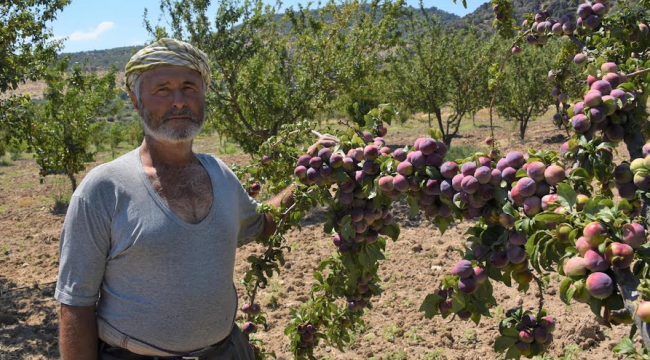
x=174 y=154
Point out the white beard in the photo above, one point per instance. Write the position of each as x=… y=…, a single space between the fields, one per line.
x=167 y=133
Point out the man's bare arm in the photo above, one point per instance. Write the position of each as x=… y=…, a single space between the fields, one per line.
x=78 y=333
x=286 y=197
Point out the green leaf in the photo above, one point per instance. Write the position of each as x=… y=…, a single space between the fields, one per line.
x=564 y=287
x=591 y=70
x=432 y=172
x=513 y=353
x=625 y=347
x=502 y=343
x=457 y=302
x=414 y=207
x=391 y=231
x=549 y=216
x=595 y=305
x=566 y=196
x=510 y=332
x=430 y=305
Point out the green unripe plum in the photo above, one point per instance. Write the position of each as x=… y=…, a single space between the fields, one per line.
x=581 y=201
x=642 y=180
x=522 y=276
x=637 y=164
x=646 y=162
x=563 y=232
x=581 y=294
x=575 y=267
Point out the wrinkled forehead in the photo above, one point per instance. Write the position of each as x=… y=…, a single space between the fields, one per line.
x=170 y=74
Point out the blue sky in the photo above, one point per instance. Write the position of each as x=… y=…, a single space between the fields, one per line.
x=105 y=24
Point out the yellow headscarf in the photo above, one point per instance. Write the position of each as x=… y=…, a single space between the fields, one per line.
x=167 y=51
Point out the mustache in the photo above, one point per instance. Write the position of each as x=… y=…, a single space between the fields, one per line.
x=180 y=112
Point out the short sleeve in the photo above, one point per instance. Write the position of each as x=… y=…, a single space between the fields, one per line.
x=251 y=222
x=83 y=252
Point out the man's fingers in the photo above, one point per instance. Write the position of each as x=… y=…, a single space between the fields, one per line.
x=328 y=140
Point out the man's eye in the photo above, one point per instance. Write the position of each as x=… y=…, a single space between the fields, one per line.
x=162 y=90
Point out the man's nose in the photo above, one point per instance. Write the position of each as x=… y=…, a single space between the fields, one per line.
x=179 y=101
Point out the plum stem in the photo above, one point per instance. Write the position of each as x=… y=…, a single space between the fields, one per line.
x=640 y=72
x=540 y=287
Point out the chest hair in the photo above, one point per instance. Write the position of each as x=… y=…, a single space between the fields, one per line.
x=186 y=190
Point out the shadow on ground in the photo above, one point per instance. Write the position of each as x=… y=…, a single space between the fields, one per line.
x=28 y=322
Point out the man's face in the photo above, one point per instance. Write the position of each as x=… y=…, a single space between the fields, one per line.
x=171 y=103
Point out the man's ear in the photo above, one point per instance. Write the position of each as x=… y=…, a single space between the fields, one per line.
x=134 y=100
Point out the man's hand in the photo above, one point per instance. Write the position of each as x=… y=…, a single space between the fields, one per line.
x=325 y=140
x=285 y=197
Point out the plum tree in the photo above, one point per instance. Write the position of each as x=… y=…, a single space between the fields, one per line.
x=534 y=213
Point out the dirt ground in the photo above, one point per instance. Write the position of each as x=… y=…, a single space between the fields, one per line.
x=29 y=240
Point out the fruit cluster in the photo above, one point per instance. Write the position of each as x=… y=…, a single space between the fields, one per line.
x=533 y=337
x=597 y=254
x=606 y=106
x=307 y=335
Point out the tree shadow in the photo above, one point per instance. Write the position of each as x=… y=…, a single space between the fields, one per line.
x=28 y=321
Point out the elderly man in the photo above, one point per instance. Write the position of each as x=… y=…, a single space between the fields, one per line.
x=148 y=244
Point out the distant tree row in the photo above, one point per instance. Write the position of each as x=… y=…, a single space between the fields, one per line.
x=338 y=61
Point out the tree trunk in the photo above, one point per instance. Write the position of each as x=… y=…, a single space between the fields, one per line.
x=445 y=136
x=523 y=124
x=73 y=181
x=429 y=113
x=474 y=119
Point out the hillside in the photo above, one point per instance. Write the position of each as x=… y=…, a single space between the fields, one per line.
x=483 y=16
x=103 y=59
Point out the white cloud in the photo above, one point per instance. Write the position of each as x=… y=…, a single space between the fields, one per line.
x=89 y=35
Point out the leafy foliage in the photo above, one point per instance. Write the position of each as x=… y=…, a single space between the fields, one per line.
x=61 y=129
x=26 y=49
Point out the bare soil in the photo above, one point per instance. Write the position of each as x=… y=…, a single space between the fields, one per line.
x=29 y=240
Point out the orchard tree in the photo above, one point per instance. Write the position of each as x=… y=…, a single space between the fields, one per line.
x=524 y=91
x=269 y=72
x=61 y=132
x=435 y=69
x=26 y=49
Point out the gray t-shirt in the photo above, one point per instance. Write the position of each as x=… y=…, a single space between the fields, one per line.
x=162 y=280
